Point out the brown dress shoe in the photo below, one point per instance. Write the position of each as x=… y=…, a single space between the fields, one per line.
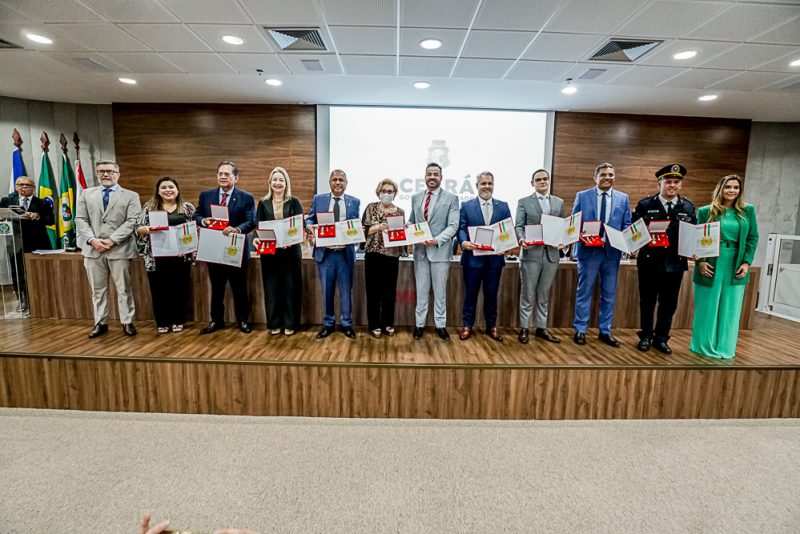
x=547 y=336
x=98 y=330
x=494 y=334
x=465 y=333
x=523 y=336
x=128 y=329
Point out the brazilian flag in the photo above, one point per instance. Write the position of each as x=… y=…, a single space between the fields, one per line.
x=47 y=193
x=66 y=209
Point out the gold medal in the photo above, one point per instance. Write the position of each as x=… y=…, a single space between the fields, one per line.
x=571 y=231
x=637 y=236
x=292 y=231
x=187 y=239
x=352 y=231
x=706 y=241
x=232 y=251
x=503 y=237
x=419 y=233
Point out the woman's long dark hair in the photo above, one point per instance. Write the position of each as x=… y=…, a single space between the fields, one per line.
x=156 y=203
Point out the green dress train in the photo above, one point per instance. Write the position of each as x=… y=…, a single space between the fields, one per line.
x=718 y=300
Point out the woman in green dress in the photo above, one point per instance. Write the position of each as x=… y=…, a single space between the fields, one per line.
x=719 y=283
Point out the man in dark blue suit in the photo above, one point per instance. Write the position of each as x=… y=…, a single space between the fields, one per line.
x=335 y=264
x=241 y=220
x=600 y=203
x=481 y=270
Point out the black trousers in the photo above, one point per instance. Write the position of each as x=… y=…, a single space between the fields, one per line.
x=169 y=289
x=380 y=275
x=662 y=288
x=237 y=278
x=283 y=287
x=475 y=277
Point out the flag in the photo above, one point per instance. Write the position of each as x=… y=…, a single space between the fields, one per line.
x=17 y=169
x=80 y=182
x=48 y=194
x=66 y=211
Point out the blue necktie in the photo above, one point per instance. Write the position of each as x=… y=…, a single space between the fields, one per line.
x=603 y=214
x=337 y=211
x=106 y=196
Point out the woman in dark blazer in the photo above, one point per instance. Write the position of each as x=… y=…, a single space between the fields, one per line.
x=281 y=272
x=719 y=283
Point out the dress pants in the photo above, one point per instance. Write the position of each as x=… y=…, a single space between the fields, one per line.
x=380 y=274
x=657 y=286
x=536 y=279
x=283 y=287
x=219 y=275
x=98 y=271
x=475 y=277
x=427 y=273
x=596 y=266
x=335 y=271
x=169 y=289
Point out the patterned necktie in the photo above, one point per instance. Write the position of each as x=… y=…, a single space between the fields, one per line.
x=106 y=197
x=603 y=213
x=224 y=201
x=486 y=217
x=25 y=203
x=337 y=211
x=427 y=205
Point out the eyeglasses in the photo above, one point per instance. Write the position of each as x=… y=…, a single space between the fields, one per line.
x=25 y=185
x=542 y=180
x=101 y=172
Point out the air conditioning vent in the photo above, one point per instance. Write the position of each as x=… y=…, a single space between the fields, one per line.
x=8 y=44
x=312 y=65
x=90 y=64
x=624 y=51
x=297 y=39
x=591 y=74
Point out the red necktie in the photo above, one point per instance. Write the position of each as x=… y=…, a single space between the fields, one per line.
x=224 y=199
x=427 y=204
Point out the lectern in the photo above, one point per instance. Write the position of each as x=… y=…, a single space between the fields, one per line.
x=13 y=285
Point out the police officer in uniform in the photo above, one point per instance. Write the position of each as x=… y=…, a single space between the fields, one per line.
x=660 y=268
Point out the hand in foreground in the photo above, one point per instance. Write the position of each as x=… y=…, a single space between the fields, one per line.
x=742 y=271
x=525 y=244
x=430 y=243
x=101 y=245
x=230 y=230
x=145 y=528
x=143 y=230
x=468 y=245
x=705 y=269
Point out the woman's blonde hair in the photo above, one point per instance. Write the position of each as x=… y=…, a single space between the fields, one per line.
x=287 y=194
x=386 y=181
x=717 y=209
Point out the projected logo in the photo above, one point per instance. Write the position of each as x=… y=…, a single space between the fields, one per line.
x=439 y=153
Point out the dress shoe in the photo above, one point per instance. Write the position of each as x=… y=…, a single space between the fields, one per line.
x=523 y=336
x=417 y=333
x=494 y=334
x=465 y=333
x=644 y=345
x=349 y=332
x=662 y=346
x=98 y=330
x=442 y=333
x=244 y=327
x=389 y=331
x=324 y=332
x=547 y=336
x=212 y=327
x=128 y=329
x=579 y=338
x=608 y=339
x=376 y=333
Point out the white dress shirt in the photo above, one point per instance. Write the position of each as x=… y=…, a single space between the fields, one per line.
x=608 y=203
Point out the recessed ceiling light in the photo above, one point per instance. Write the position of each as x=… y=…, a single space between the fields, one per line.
x=422 y=85
x=707 y=98
x=232 y=39
x=273 y=82
x=569 y=90
x=687 y=54
x=41 y=39
x=129 y=81
x=795 y=63
x=430 y=44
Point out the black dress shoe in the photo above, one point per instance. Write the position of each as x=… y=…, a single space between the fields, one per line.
x=542 y=333
x=324 y=332
x=608 y=339
x=98 y=330
x=128 y=329
x=644 y=345
x=662 y=346
x=212 y=327
x=349 y=332
x=245 y=327
x=442 y=333
x=417 y=333
x=494 y=333
x=579 y=338
x=523 y=336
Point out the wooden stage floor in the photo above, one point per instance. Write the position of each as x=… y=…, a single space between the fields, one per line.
x=51 y=364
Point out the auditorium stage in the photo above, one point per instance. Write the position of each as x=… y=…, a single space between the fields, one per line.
x=51 y=364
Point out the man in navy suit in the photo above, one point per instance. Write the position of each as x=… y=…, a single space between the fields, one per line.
x=481 y=270
x=335 y=264
x=241 y=220
x=600 y=203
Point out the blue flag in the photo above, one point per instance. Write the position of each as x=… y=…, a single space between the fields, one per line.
x=17 y=169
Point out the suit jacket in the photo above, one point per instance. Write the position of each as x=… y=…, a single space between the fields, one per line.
x=116 y=222
x=241 y=211
x=443 y=221
x=471 y=215
x=619 y=218
x=660 y=258
x=321 y=203
x=265 y=211
x=529 y=211
x=34 y=232
x=748 y=241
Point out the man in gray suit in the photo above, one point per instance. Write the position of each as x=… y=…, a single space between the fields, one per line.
x=432 y=257
x=539 y=263
x=105 y=219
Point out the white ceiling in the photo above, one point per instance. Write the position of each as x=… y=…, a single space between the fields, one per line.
x=513 y=54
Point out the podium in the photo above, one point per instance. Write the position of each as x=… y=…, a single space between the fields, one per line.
x=13 y=283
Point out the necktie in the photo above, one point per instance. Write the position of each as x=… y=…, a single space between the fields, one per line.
x=545 y=205
x=669 y=208
x=486 y=217
x=603 y=213
x=337 y=211
x=427 y=204
x=25 y=203
x=224 y=200
x=106 y=196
